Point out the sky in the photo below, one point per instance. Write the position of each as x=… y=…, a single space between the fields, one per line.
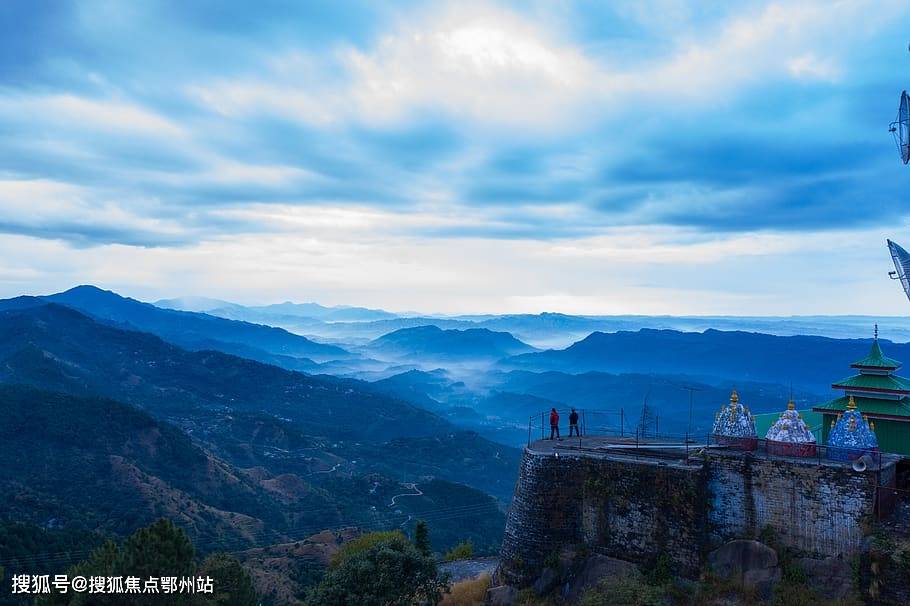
x=655 y=157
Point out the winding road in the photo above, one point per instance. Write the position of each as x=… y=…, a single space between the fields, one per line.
x=407 y=494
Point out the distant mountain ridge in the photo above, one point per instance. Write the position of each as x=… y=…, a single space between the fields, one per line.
x=810 y=362
x=190 y=330
x=289 y=309
x=436 y=343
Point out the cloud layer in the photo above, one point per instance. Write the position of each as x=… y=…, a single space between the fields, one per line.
x=343 y=151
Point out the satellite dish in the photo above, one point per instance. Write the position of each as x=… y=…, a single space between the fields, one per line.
x=901 y=260
x=900 y=128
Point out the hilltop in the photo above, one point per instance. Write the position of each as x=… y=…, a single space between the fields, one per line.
x=432 y=342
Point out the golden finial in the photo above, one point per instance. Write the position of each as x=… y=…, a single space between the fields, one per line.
x=872 y=425
x=833 y=422
x=734 y=397
x=791 y=405
x=851 y=404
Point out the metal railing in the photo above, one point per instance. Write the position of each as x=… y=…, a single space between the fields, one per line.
x=593 y=422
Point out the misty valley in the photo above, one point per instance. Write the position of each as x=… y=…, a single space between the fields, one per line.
x=270 y=432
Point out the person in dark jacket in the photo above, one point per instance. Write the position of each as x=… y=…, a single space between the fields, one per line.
x=554 y=424
x=573 y=423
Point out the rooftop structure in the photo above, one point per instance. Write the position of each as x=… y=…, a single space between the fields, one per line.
x=790 y=435
x=877 y=394
x=851 y=435
x=735 y=426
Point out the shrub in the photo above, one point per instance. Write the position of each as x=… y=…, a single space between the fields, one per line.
x=462 y=551
x=377 y=571
x=363 y=543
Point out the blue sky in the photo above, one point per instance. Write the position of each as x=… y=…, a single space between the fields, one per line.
x=623 y=157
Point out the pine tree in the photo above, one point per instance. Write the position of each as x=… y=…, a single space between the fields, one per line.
x=233 y=584
x=422 y=538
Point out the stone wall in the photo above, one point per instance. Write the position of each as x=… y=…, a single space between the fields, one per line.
x=819 y=509
x=643 y=509
x=630 y=510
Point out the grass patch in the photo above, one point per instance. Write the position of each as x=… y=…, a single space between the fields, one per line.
x=471 y=592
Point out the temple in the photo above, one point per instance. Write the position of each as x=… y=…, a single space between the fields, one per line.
x=877 y=394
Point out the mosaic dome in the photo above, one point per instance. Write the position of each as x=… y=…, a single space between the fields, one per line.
x=790 y=428
x=734 y=420
x=851 y=434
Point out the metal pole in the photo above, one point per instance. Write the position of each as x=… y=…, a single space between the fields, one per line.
x=622 y=422
x=530 y=420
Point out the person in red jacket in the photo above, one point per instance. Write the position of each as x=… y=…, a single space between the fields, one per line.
x=554 y=424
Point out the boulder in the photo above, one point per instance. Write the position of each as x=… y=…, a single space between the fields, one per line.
x=829 y=578
x=751 y=564
x=504 y=595
x=593 y=570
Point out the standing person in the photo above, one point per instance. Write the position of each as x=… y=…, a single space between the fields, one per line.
x=573 y=423
x=554 y=424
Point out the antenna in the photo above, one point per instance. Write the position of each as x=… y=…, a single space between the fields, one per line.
x=901 y=259
x=900 y=128
x=691 y=389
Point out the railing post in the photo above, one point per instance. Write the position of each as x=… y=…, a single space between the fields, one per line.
x=622 y=422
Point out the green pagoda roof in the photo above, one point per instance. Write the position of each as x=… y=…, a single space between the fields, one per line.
x=872 y=406
x=874 y=382
x=876 y=359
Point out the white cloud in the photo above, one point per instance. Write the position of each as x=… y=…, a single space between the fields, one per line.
x=488 y=65
x=482 y=63
x=62 y=210
x=74 y=112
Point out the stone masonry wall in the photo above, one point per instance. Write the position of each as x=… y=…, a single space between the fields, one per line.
x=631 y=510
x=640 y=509
x=818 y=509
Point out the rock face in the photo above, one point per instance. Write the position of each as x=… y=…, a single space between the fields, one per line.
x=547 y=581
x=829 y=578
x=595 y=569
x=751 y=564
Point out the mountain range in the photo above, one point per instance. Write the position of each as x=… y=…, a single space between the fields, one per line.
x=808 y=362
x=190 y=330
x=253 y=436
x=433 y=343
